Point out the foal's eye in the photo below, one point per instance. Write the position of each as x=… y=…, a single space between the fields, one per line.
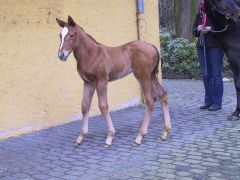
x=71 y=36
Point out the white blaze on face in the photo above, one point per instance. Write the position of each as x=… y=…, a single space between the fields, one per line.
x=63 y=34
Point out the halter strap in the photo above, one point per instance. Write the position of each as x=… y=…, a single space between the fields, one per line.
x=227 y=16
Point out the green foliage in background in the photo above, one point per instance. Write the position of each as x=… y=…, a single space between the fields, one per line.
x=180 y=57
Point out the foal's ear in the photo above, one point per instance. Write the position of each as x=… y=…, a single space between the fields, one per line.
x=71 y=22
x=61 y=23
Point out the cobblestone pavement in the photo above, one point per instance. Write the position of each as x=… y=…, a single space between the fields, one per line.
x=201 y=145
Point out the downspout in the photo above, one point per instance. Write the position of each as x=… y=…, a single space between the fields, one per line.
x=141 y=20
x=141 y=26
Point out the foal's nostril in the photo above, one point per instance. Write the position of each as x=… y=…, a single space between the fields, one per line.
x=60 y=55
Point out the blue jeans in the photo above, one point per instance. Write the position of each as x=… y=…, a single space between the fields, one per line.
x=211 y=70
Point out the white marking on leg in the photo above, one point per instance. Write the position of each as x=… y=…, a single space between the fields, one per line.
x=63 y=33
x=109 y=123
x=138 y=139
x=166 y=117
x=85 y=125
x=84 y=130
x=111 y=130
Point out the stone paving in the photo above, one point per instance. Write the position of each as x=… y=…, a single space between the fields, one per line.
x=201 y=145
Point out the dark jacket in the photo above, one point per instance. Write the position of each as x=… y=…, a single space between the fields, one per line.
x=211 y=41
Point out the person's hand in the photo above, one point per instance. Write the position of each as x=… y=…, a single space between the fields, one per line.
x=206 y=29
x=200 y=28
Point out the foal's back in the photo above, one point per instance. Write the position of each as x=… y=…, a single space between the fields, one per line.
x=136 y=56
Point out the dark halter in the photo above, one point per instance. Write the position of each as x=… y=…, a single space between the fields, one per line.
x=227 y=17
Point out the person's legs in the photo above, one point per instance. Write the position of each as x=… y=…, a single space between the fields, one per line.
x=216 y=60
x=206 y=74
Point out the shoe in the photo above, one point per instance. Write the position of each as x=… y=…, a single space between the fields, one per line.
x=214 y=108
x=205 y=106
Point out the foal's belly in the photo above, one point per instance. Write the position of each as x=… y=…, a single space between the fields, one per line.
x=118 y=75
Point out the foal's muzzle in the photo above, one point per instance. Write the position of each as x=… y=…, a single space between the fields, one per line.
x=63 y=55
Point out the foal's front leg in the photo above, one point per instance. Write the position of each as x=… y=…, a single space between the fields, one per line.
x=88 y=91
x=103 y=106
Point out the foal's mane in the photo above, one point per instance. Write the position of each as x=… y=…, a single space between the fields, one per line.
x=94 y=40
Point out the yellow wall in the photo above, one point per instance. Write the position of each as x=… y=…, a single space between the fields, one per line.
x=36 y=89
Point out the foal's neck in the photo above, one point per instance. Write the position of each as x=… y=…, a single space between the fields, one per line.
x=85 y=43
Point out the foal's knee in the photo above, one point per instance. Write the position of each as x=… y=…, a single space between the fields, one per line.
x=150 y=104
x=85 y=109
x=103 y=107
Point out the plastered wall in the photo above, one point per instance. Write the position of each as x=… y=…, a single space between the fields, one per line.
x=39 y=91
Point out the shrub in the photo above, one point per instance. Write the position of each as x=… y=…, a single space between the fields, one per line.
x=179 y=56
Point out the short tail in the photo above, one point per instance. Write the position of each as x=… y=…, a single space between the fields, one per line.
x=155 y=69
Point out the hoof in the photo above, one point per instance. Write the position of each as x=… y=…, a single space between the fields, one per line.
x=163 y=138
x=79 y=140
x=138 y=140
x=135 y=143
x=76 y=143
x=107 y=145
x=108 y=141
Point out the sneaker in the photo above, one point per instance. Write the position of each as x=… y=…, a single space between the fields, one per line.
x=214 y=108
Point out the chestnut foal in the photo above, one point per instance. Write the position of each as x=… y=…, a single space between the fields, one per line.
x=98 y=64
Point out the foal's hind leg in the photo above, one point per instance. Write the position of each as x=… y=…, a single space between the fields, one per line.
x=88 y=91
x=161 y=95
x=103 y=106
x=147 y=92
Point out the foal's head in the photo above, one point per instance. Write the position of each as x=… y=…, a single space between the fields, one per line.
x=227 y=8
x=68 y=37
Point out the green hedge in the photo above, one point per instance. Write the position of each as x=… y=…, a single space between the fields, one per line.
x=180 y=57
